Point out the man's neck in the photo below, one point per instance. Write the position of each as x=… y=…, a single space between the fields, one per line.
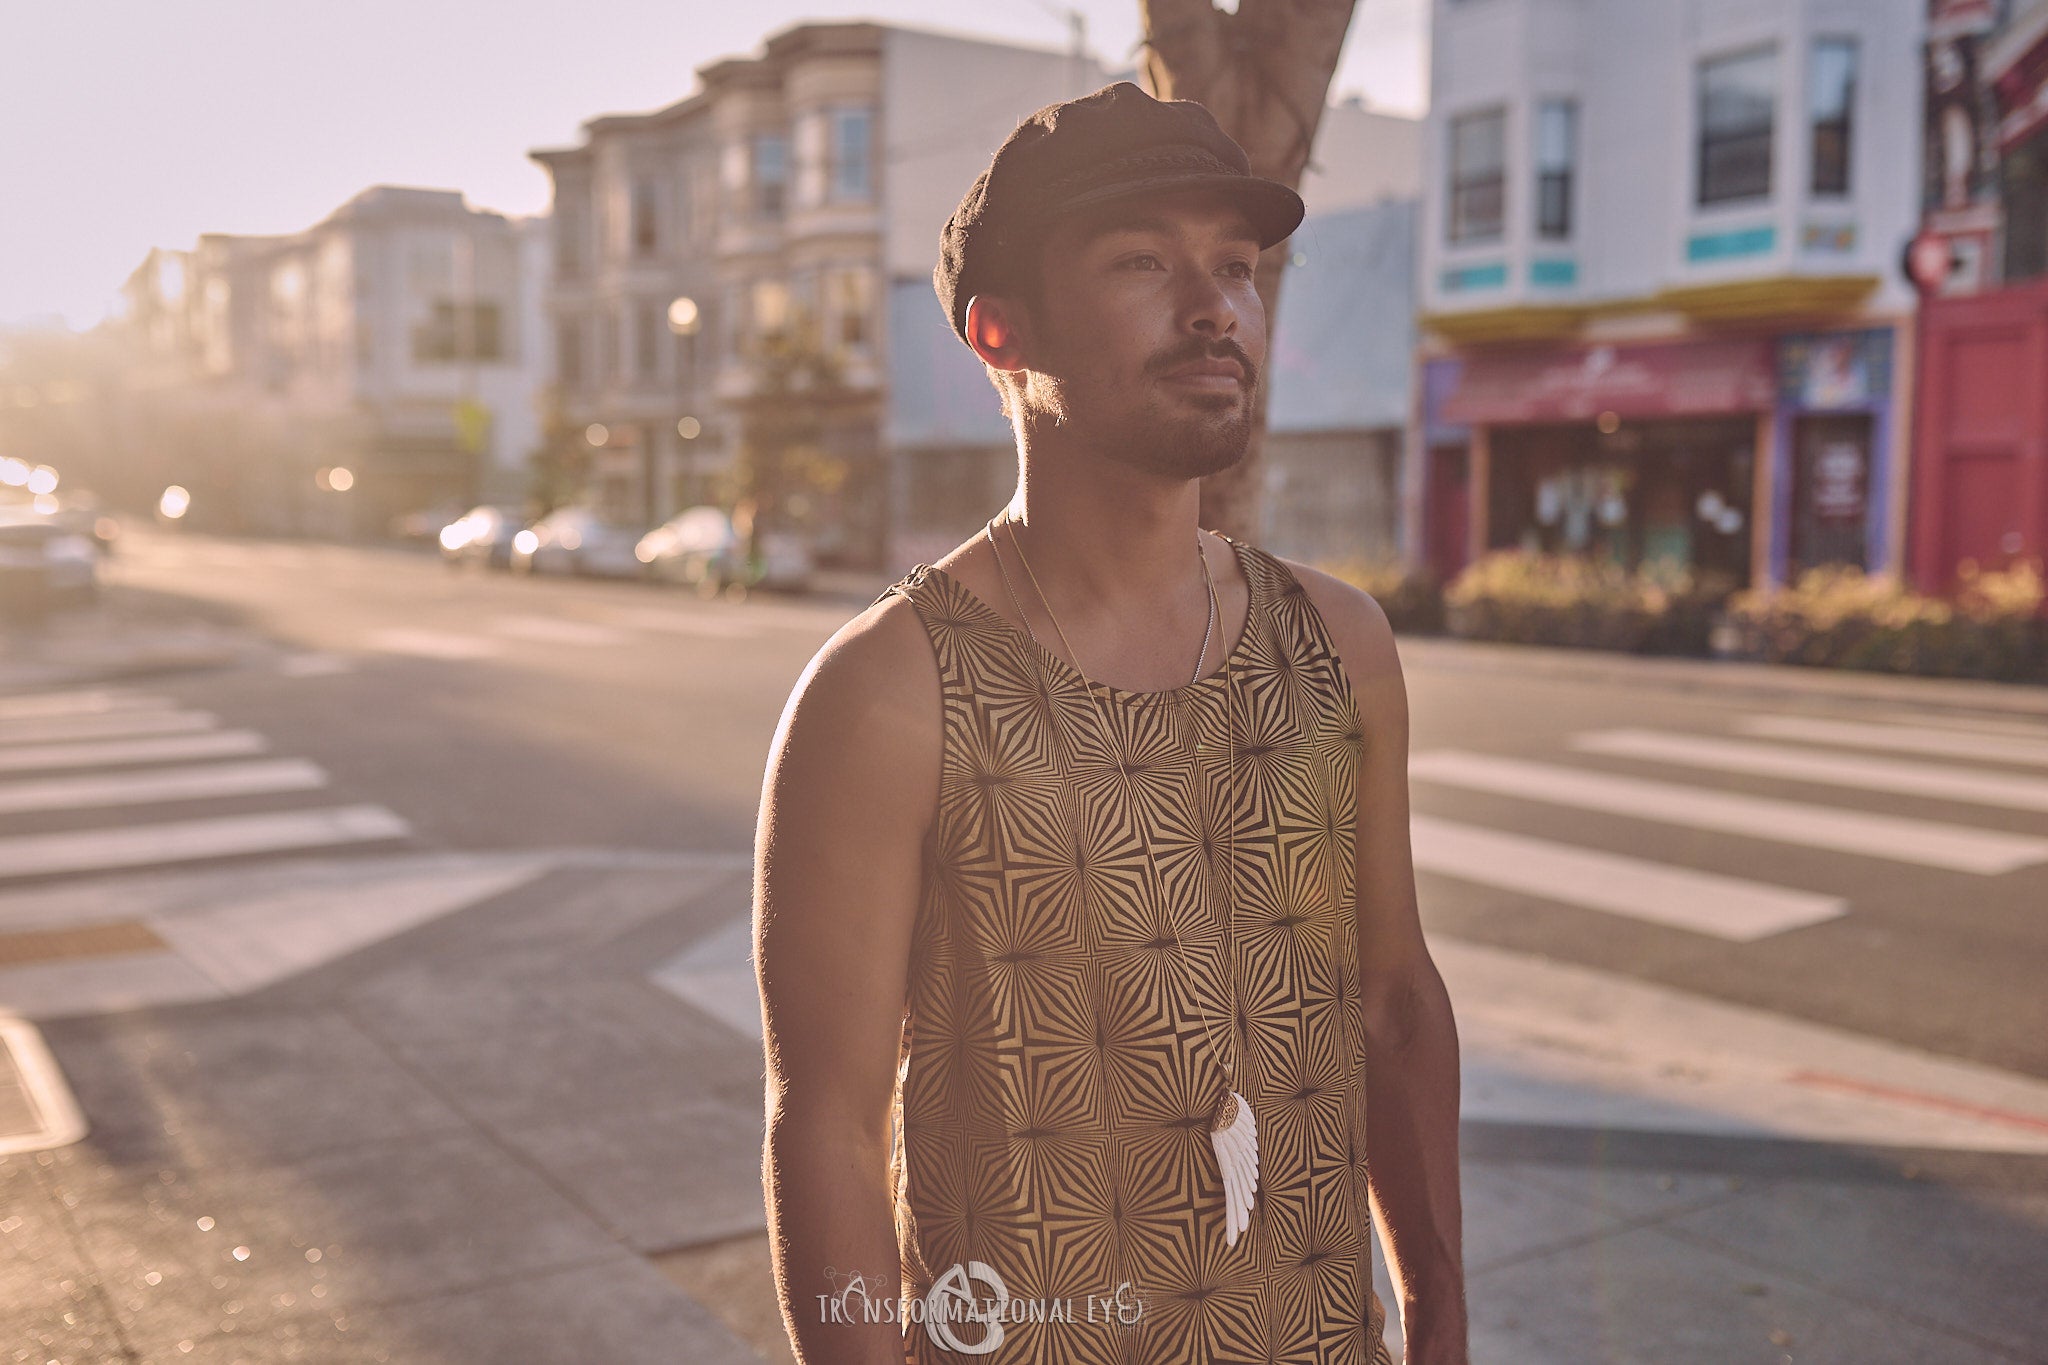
x=1120 y=540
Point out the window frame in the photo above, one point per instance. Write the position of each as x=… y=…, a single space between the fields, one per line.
x=1816 y=127
x=1706 y=140
x=1564 y=177
x=1459 y=185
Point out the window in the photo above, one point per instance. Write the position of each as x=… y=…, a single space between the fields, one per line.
x=771 y=174
x=608 y=347
x=852 y=154
x=769 y=312
x=851 y=298
x=1831 y=103
x=453 y=331
x=646 y=226
x=1738 y=96
x=648 y=324
x=1478 y=175
x=569 y=351
x=1557 y=133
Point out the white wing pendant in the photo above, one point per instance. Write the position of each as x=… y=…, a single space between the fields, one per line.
x=1236 y=1139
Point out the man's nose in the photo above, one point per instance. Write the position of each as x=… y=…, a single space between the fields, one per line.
x=1206 y=306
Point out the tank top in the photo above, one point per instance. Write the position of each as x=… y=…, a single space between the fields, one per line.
x=1052 y=1170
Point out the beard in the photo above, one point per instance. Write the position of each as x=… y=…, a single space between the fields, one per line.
x=1188 y=439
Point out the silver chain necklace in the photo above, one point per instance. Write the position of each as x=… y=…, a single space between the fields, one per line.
x=1232 y=1131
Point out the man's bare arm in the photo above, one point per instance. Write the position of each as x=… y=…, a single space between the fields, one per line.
x=851 y=788
x=1411 y=1036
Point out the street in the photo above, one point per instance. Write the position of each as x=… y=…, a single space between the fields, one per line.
x=398 y=964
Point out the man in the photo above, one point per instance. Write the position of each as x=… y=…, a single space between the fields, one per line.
x=1137 y=946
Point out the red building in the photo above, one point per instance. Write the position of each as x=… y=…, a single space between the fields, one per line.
x=1980 y=486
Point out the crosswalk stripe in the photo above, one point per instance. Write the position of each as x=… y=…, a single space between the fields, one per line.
x=434 y=644
x=556 y=630
x=150 y=785
x=40 y=855
x=106 y=725
x=112 y=753
x=90 y=702
x=1915 y=739
x=1989 y=725
x=1903 y=776
x=1927 y=843
x=1681 y=897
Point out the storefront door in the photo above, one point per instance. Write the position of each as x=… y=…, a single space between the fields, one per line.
x=1830 y=493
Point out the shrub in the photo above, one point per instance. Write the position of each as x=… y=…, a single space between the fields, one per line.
x=1530 y=598
x=1839 y=616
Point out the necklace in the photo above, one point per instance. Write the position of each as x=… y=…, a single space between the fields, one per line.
x=1232 y=1132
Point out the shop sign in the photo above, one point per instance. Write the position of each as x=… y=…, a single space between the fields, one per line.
x=1577 y=385
x=1833 y=370
x=1838 y=481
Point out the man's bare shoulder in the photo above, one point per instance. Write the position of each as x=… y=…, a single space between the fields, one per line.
x=878 y=668
x=1357 y=624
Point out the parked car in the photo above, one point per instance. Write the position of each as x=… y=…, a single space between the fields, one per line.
x=44 y=565
x=576 y=540
x=700 y=547
x=482 y=535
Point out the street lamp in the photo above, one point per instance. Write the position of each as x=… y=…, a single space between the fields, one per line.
x=684 y=317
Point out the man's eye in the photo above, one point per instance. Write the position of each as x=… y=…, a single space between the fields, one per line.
x=1243 y=270
x=1142 y=261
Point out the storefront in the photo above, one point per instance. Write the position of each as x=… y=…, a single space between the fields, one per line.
x=1744 y=457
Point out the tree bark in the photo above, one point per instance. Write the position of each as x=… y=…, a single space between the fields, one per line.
x=1264 y=72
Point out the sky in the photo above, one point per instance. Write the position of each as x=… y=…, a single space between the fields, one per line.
x=125 y=126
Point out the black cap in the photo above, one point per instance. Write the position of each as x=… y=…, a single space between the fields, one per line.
x=1117 y=143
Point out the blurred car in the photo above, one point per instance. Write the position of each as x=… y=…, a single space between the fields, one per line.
x=700 y=547
x=576 y=540
x=424 y=523
x=44 y=564
x=482 y=535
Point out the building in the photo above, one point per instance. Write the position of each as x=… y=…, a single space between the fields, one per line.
x=1660 y=289
x=1981 y=491
x=398 y=340
x=743 y=298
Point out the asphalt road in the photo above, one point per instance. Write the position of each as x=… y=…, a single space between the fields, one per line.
x=1891 y=880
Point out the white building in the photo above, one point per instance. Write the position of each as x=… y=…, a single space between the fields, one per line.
x=1660 y=281
x=399 y=339
x=793 y=203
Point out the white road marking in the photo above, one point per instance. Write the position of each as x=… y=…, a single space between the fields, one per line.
x=434 y=644
x=1927 y=843
x=151 y=785
x=2025 y=729
x=1681 y=897
x=111 y=753
x=1547 y=1042
x=1902 y=776
x=314 y=665
x=1905 y=739
x=105 y=725
x=716 y=974
x=87 y=703
x=557 y=630
x=39 y=855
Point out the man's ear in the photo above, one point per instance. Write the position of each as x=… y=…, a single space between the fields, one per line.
x=995 y=332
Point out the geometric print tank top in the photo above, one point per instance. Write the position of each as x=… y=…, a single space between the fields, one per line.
x=1069 y=992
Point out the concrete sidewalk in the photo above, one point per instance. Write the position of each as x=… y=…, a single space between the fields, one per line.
x=524 y=1127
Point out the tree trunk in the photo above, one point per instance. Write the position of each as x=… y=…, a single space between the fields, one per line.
x=1264 y=72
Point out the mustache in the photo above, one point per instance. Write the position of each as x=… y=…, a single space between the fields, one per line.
x=1195 y=348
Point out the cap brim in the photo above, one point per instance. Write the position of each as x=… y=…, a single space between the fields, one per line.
x=1275 y=210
